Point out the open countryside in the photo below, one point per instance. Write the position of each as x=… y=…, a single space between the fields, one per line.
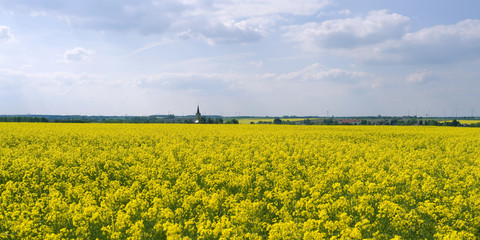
x=270 y=120
x=231 y=119
x=196 y=181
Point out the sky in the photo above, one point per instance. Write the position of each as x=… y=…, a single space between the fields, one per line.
x=240 y=57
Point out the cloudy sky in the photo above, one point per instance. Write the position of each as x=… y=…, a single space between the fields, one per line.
x=240 y=57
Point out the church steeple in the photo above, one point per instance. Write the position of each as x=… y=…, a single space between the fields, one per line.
x=198 y=115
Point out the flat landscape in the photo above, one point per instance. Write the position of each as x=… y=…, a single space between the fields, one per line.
x=173 y=181
x=269 y=120
x=231 y=119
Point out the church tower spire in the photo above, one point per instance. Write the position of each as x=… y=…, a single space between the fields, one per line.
x=198 y=115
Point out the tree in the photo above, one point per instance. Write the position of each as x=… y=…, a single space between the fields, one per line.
x=330 y=121
x=454 y=123
x=232 y=121
x=307 y=122
x=277 y=121
x=412 y=121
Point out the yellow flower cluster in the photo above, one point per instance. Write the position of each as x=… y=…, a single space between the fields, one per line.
x=146 y=181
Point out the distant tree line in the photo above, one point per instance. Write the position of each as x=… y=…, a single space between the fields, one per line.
x=276 y=121
x=218 y=120
x=22 y=119
x=373 y=121
x=98 y=119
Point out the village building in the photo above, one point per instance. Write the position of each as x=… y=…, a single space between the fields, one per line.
x=349 y=121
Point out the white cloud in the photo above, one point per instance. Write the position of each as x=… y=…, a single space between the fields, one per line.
x=122 y=15
x=420 y=77
x=78 y=54
x=213 y=83
x=220 y=83
x=250 y=8
x=68 y=78
x=43 y=79
x=232 y=31
x=343 y=12
x=376 y=27
x=227 y=22
x=438 y=44
x=217 y=21
x=5 y=34
x=269 y=75
x=63 y=93
x=25 y=67
x=317 y=72
x=257 y=64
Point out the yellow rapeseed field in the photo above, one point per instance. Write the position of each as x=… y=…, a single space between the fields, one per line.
x=462 y=121
x=145 y=181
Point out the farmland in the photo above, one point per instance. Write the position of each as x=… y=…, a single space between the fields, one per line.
x=462 y=121
x=270 y=120
x=147 y=181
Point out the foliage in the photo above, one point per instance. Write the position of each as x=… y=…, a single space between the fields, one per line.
x=232 y=121
x=462 y=121
x=330 y=121
x=22 y=119
x=264 y=120
x=127 y=181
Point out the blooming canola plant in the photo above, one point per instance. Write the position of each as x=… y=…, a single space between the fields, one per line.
x=156 y=181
